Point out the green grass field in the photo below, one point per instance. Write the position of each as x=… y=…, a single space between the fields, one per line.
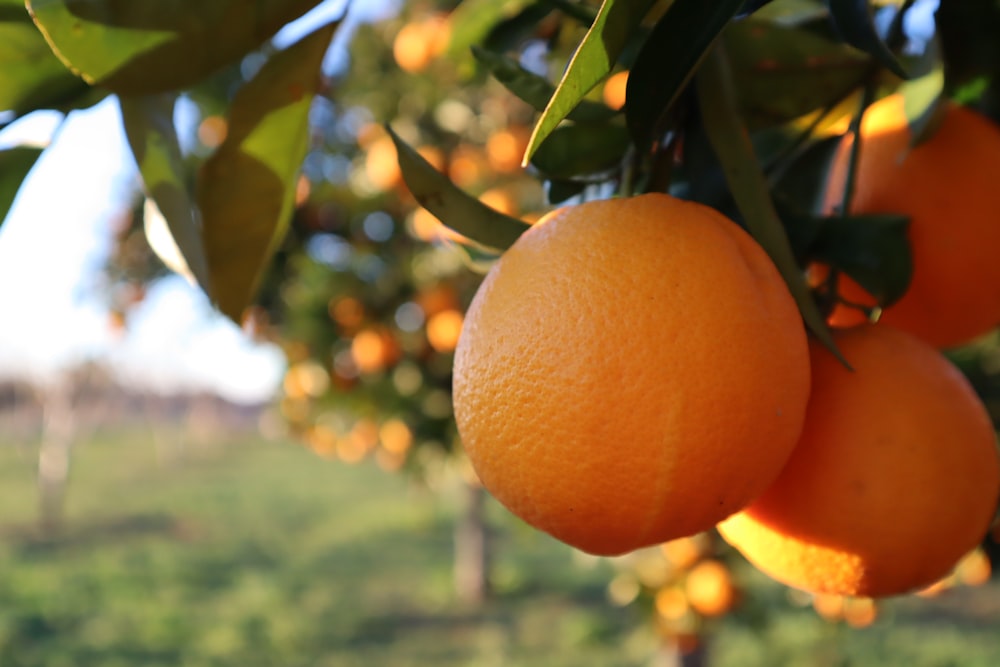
x=261 y=554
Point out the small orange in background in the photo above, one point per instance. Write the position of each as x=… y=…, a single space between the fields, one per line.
x=419 y=42
x=500 y=199
x=710 y=590
x=382 y=165
x=671 y=603
x=374 y=350
x=505 y=149
x=607 y=382
x=444 y=329
x=895 y=478
x=947 y=186
x=614 y=90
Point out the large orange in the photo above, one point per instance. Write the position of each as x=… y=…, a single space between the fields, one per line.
x=947 y=185
x=629 y=372
x=895 y=479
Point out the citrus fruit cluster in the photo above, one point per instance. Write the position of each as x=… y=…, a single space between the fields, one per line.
x=635 y=370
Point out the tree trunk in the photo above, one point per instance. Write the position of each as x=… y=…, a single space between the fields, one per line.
x=472 y=547
x=674 y=654
x=58 y=425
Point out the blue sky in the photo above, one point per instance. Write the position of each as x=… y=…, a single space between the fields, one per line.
x=57 y=235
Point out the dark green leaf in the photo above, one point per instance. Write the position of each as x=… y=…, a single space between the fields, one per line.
x=669 y=59
x=782 y=73
x=580 y=152
x=473 y=20
x=512 y=31
x=15 y=163
x=149 y=47
x=31 y=76
x=246 y=189
x=149 y=125
x=853 y=20
x=459 y=211
x=874 y=250
x=594 y=58
x=924 y=98
x=748 y=185
x=802 y=182
x=582 y=13
x=532 y=88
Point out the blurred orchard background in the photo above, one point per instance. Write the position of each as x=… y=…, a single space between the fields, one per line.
x=178 y=490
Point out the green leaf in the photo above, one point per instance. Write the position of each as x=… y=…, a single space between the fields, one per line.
x=582 y=150
x=149 y=126
x=31 y=76
x=874 y=250
x=582 y=13
x=532 y=88
x=15 y=163
x=782 y=73
x=924 y=98
x=853 y=20
x=149 y=47
x=459 y=211
x=669 y=59
x=594 y=58
x=749 y=187
x=473 y=20
x=509 y=33
x=246 y=189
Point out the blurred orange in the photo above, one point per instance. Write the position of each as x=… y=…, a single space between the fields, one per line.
x=381 y=165
x=614 y=90
x=671 y=603
x=506 y=147
x=212 y=131
x=373 y=350
x=444 y=329
x=500 y=199
x=419 y=42
x=710 y=590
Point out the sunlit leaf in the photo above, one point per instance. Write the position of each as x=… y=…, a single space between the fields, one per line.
x=749 y=187
x=15 y=163
x=669 y=58
x=149 y=125
x=532 y=88
x=458 y=210
x=853 y=19
x=147 y=47
x=31 y=76
x=594 y=58
x=246 y=189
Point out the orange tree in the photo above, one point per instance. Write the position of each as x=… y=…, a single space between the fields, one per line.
x=745 y=107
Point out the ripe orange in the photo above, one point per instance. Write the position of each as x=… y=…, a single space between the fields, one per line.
x=896 y=476
x=629 y=372
x=613 y=92
x=418 y=43
x=710 y=590
x=946 y=185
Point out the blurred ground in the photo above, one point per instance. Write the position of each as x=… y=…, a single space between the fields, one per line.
x=249 y=552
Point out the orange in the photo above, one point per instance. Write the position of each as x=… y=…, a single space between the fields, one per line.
x=946 y=186
x=416 y=44
x=614 y=90
x=896 y=476
x=444 y=329
x=505 y=148
x=630 y=371
x=710 y=590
